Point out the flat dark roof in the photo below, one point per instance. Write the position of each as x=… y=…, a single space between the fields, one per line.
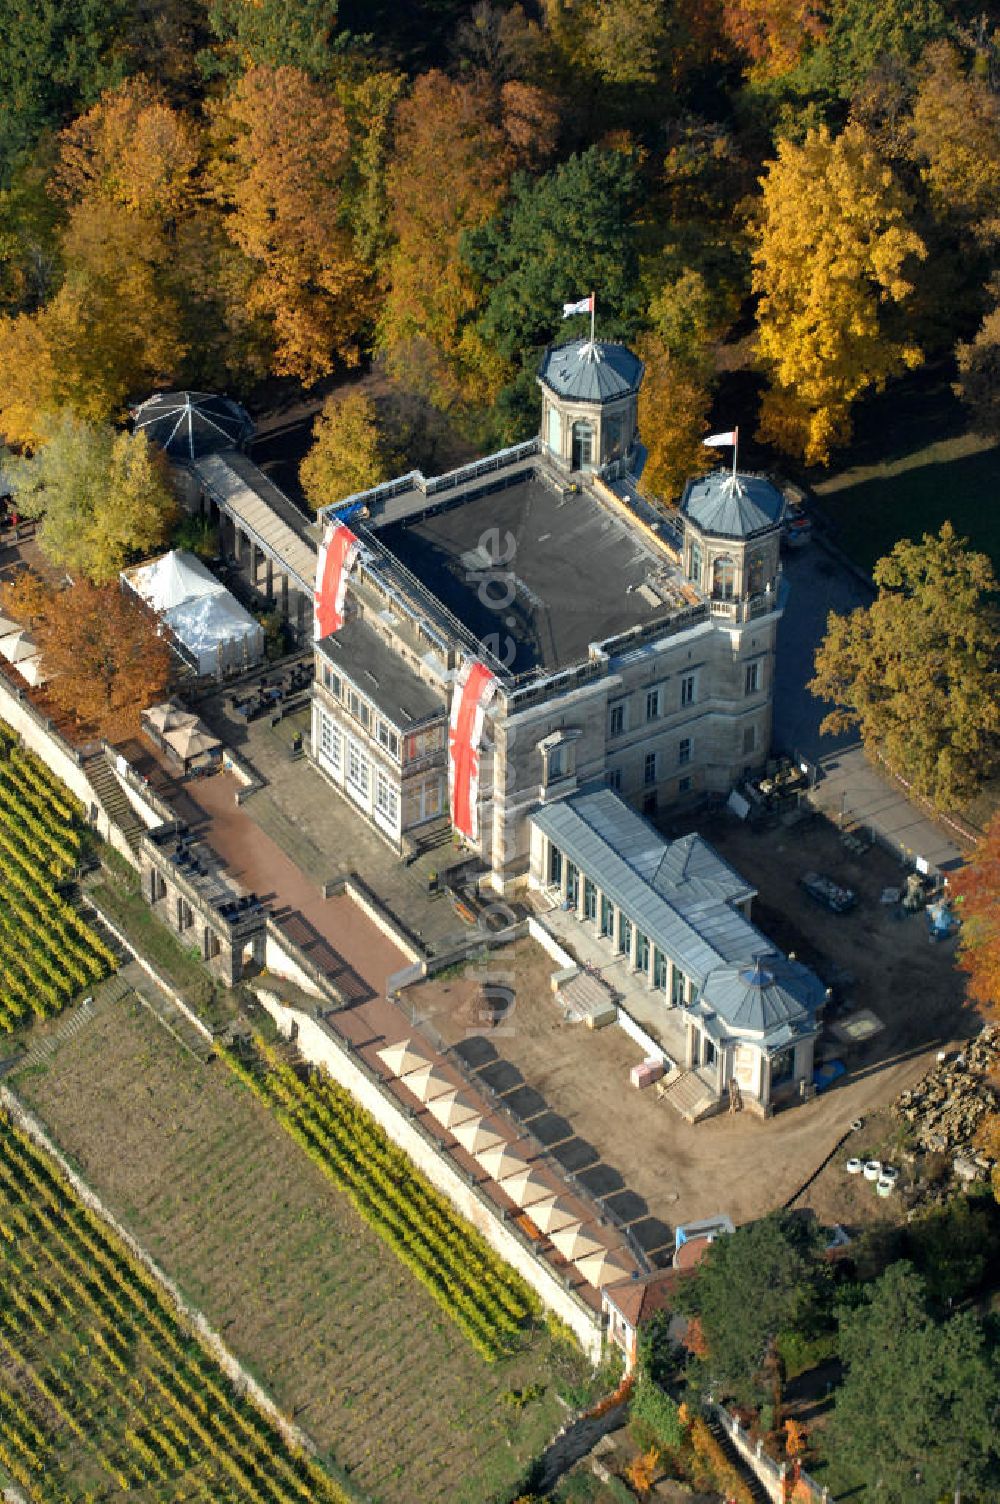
x=379 y=673
x=575 y=569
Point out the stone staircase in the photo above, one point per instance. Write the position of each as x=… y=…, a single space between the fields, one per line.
x=690 y=1095
x=112 y=798
x=75 y=1019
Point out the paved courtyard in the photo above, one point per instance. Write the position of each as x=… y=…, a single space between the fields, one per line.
x=849 y=787
x=326 y=837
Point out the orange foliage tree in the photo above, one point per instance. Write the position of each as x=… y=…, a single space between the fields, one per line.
x=103 y=658
x=279 y=172
x=773 y=34
x=642 y=1470
x=977 y=889
x=449 y=171
x=132 y=148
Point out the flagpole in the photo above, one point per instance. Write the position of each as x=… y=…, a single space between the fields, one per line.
x=593 y=306
x=736 y=450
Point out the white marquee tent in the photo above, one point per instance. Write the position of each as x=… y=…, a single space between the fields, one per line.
x=210 y=627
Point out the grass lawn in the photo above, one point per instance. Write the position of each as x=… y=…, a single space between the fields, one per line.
x=334 y=1326
x=913 y=465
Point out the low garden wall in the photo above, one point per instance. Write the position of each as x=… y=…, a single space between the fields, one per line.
x=321 y=1047
x=64 y=761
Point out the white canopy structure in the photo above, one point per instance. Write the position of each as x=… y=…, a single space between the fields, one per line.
x=603 y=1268
x=501 y=1161
x=453 y=1108
x=31 y=670
x=526 y=1187
x=476 y=1137
x=428 y=1082
x=210 y=628
x=553 y=1214
x=403 y=1057
x=17 y=646
x=573 y=1243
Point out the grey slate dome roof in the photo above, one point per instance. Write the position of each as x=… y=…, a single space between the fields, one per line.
x=763 y=994
x=189 y=425
x=727 y=509
x=585 y=372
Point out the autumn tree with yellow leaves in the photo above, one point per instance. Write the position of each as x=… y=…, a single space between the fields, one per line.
x=103 y=655
x=450 y=168
x=101 y=497
x=833 y=267
x=282 y=155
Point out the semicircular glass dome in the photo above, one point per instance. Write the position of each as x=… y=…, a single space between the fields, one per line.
x=190 y=425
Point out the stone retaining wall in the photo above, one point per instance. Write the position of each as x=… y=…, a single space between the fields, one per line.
x=320 y=1046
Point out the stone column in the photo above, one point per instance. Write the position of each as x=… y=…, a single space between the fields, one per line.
x=689 y=1032
x=284 y=596
x=269 y=577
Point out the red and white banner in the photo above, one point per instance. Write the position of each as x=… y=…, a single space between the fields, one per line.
x=474 y=688
x=584 y=305
x=336 y=557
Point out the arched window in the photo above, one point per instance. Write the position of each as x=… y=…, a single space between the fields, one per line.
x=723 y=578
x=583 y=446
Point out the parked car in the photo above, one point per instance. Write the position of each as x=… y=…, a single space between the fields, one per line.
x=828 y=893
x=796 y=527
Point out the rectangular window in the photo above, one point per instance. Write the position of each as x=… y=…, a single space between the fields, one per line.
x=649 y=769
x=358 y=769
x=687 y=689
x=614 y=779
x=331 y=681
x=555 y=763
x=652 y=704
x=749 y=740
x=694 y=572
x=589 y=899
x=624 y=935
x=684 y=786
x=572 y=884
x=386 y=798
x=387 y=738
x=555 y=866
x=684 y=750
x=659 y=969
x=616 y=719
x=329 y=741
x=678 y=993
x=751 y=681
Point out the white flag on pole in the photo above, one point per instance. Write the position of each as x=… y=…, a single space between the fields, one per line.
x=720 y=440
x=585 y=305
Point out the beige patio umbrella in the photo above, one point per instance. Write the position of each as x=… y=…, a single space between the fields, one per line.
x=574 y=1243
x=452 y=1108
x=169 y=717
x=526 y=1187
x=501 y=1161
x=603 y=1268
x=553 y=1214
x=191 y=741
x=428 y=1081
x=476 y=1137
x=403 y=1057
x=31 y=670
x=17 y=646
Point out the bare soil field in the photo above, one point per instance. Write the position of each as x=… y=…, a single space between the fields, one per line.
x=570 y=1087
x=318 y=1309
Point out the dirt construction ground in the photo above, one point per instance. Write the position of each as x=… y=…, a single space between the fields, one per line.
x=570 y=1085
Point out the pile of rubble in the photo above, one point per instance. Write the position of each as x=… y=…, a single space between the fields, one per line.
x=946 y=1108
